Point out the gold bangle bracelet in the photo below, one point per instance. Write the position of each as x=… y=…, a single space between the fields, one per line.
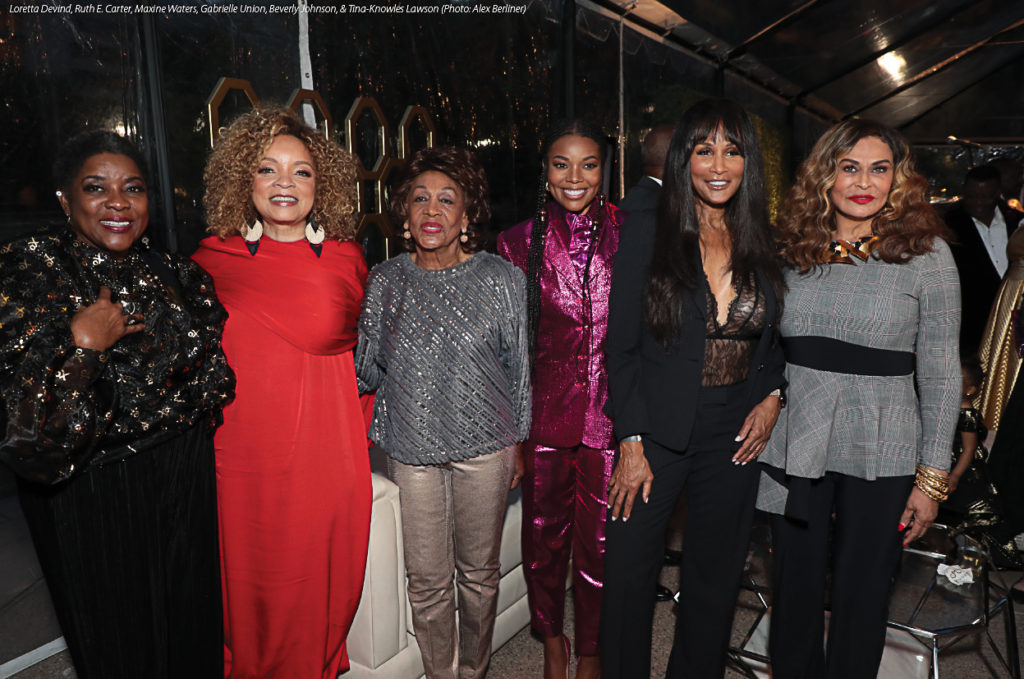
x=932 y=478
x=931 y=491
x=930 y=473
x=931 y=483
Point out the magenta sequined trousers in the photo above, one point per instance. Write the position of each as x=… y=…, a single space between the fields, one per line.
x=565 y=493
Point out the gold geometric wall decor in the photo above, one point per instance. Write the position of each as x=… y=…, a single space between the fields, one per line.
x=300 y=97
x=216 y=98
x=412 y=116
x=365 y=113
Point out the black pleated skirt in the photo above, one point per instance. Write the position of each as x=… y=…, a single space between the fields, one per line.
x=130 y=554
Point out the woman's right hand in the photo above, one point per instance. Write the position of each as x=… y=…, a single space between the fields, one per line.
x=99 y=325
x=918 y=515
x=632 y=474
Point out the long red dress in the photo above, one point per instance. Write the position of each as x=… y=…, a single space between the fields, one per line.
x=293 y=477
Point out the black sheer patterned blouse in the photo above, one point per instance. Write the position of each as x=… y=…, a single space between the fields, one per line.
x=67 y=409
x=728 y=348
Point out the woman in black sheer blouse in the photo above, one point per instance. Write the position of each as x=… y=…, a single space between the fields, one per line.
x=112 y=378
x=695 y=375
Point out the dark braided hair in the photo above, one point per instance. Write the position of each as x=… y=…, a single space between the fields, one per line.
x=539 y=230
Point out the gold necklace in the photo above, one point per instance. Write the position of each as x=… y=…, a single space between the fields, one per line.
x=839 y=250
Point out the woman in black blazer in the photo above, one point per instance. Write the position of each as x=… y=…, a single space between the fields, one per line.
x=695 y=377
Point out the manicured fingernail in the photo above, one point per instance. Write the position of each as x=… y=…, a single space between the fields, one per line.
x=614 y=518
x=625 y=519
x=645 y=500
x=738 y=438
x=902 y=526
x=744 y=463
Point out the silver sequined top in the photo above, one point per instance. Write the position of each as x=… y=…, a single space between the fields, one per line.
x=446 y=351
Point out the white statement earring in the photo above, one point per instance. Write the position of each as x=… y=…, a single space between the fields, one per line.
x=315 y=235
x=252 y=236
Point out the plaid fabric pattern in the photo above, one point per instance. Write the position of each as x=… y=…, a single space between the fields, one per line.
x=869 y=426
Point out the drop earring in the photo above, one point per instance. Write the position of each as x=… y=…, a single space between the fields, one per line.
x=315 y=235
x=252 y=236
x=464 y=238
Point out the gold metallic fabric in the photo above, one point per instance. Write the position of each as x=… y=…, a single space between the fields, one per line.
x=998 y=351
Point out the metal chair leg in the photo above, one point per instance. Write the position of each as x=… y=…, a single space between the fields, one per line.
x=1012 y=652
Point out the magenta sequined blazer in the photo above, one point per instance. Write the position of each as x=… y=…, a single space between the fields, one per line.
x=570 y=381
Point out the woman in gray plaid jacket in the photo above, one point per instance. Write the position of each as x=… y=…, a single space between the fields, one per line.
x=870 y=333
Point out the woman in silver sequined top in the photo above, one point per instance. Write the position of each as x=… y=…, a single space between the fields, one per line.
x=442 y=342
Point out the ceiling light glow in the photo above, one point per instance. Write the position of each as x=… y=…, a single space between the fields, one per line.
x=893 y=64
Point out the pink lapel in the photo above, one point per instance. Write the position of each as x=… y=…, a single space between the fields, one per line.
x=556 y=254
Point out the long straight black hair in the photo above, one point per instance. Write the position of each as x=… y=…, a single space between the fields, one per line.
x=675 y=268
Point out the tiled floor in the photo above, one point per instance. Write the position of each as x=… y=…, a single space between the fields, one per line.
x=27 y=621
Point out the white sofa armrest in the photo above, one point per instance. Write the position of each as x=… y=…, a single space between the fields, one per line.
x=378 y=631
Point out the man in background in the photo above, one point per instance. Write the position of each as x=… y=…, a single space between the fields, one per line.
x=644 y=194
x=981 y=226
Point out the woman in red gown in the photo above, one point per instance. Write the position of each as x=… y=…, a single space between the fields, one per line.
x=293 y=478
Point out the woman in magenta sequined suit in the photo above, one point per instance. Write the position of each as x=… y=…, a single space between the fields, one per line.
x=569 y=455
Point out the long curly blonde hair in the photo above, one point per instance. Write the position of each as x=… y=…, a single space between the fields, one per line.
x=231 y=169
x=906 y=225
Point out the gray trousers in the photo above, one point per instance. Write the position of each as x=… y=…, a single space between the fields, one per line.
x=452 y=516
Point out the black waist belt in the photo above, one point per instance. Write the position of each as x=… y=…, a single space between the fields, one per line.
x=837 y=356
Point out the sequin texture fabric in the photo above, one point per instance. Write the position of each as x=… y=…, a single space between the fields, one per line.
x=446 y=353
x=69 y=408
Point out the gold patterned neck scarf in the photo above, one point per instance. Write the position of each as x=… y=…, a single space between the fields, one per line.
x=839 y=251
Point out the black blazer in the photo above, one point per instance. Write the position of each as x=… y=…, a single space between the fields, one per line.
x=641 y=196
x=653 y=391
x=979 y=280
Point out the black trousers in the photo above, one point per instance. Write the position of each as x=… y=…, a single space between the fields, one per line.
x=715 y=543
x=865 y=551
x=132 y=560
